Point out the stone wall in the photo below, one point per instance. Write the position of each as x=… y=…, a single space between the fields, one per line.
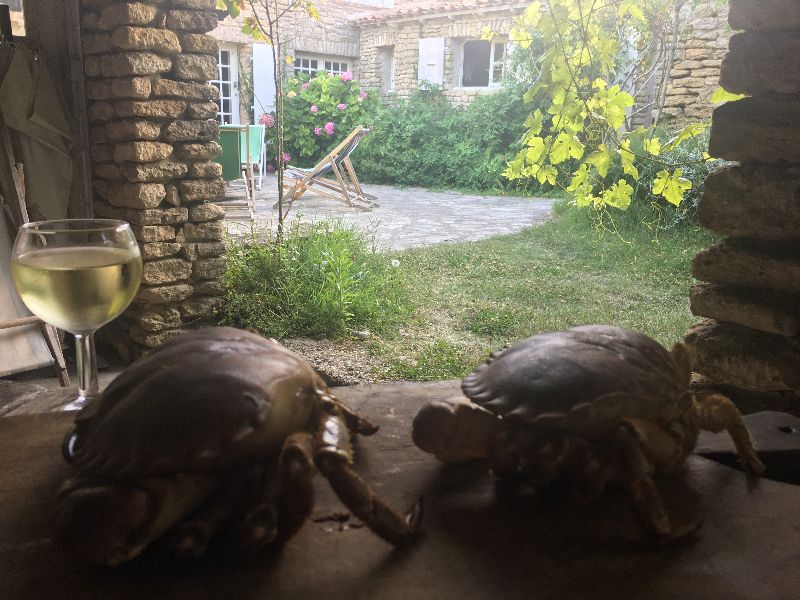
x=751 y=294
x=153 y=134
x=404 y=36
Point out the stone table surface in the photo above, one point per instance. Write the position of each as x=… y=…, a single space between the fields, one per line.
x=478 y=540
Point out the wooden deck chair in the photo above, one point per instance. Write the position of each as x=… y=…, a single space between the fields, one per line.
x=344 y=187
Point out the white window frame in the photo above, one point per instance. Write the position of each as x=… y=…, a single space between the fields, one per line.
x=233 y=116
x=335 y=65
x=492 y=64
x=387 y=59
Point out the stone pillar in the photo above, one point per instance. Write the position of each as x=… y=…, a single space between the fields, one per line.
x=153 y=134
x=751 y=293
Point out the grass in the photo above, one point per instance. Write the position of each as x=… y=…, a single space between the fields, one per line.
x=478 y=296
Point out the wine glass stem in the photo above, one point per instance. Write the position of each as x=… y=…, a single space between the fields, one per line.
x=86 y=358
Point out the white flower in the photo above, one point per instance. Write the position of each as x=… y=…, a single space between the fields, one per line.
x=395 y=263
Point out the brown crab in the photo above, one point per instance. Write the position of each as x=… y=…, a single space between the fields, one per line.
x=218 y=429
x=582 y=408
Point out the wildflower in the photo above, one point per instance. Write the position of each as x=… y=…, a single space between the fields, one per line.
x=317 y=130
x=329 y=127
x=294 y=81
x=395 y=263
x=346 y=76
x=292 y=94
x=341 y=106
x=287 y=157
x=314 y=109
x=304 y=86
x=362 y=96
x=267 y=119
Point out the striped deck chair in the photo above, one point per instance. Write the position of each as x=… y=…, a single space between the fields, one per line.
x=343 y=187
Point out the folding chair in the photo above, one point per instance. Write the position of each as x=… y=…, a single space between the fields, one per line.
x=344 y=188
x=257 y=150
x=236 y=165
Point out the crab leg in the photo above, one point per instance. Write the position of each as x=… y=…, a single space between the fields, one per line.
x=297 y=493
x=333 y=456
x=717 y=413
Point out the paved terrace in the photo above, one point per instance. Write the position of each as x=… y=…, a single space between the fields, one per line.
x=406 y=217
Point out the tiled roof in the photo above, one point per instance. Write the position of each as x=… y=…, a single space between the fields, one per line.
x=419 y=9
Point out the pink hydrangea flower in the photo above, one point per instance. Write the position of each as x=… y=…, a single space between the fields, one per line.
x=287 y=157
x=341 y=106
x=317 y=130
x=329 y=127
x=346 y=76
x=362 y=95
x=314 y=109
x=267 y=119
x=304 y=86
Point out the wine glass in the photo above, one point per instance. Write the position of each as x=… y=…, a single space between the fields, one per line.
x=78 y=275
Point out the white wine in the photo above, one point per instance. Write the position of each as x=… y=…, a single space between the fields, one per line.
x=78 y=288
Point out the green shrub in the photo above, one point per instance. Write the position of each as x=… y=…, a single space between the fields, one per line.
x=322 y=282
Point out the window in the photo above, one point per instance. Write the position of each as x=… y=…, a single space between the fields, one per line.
x=482 y=63
x=227 y=84
x=309 y=64
x=386 y=64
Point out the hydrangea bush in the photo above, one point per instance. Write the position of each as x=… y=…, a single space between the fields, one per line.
x=321 y=110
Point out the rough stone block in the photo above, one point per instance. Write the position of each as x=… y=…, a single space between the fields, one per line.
x=89 y=21
x=196 y=67
x=155 y=171
x=173 y=196
x=205 y=170
x=105 y=211
x=184 y=89
x=201 y=190
x=167 y=270
x=195 y=4
x=731 y=354
x=98 y=89
x=146 y=38
x=109 y=171
x=750 y=263
x=209 y=268
x=199 y=151
x=131 y=13
x=133 y=195
x=756 y=309
x=153 y=340
x=759 y=62
x=98 y=134
x=199 y=43
x=167 y=294
x=194 y=250
x=100 y=111
x=758 y=129
x=192 y=20
x=210 y=288
x=160 y=250
x=95 y=43
x=154 y=233
x=202 y=110
x=211 y=230
x=125 y=64
x=159 y=216
x=192 y=131
x=102 y=152
x=141 y=151
x=764 y=14
x=120 y=131
x=156 y=319
x=150 y=109
x=201 y=308
x=135 y=87
x=206 y=212
x=755 y=200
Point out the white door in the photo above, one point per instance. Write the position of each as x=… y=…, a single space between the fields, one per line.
x=263 y=80
x=431 y=60
x=227 y=83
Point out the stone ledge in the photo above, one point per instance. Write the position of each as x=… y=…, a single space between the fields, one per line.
x=756 y=309
x=163 y=294
x=759 y=62
x=764 y=15
x=146 y=38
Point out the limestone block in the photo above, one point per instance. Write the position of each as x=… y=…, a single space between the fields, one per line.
x=155 y=171
x=197 y=67
x=205 y=170
x=100 y=111
x=107 y=171
x=183 y=89
x=126 y=64
x=753 y=200
x=102 y=152
x=119 y=131
x=764 y=14
x=150 y=109
x=210 y=288
x=98 y=89
x=141 y=151
x=201 y=190
x=156 y=319
x=167 y=270
x=206 y=212
x=146 y=38
x=159 y=216
x=133 y=195
x=759 y=129
x=104 y=211
x=192 y=131
x=89 y=21
x=731 y=354
x=750 y=263
x=135 y=87
x=153 y=340
x=756 y=309
x=173 y=196
x=199 y=43
x=195 y=4
x=202 y=110
x=199 y=151
x=759 y=62
x=201 y=308
x=154 y=233
x=211 y=230
x=95 y=43
x=209 y=268
x=195 y=250
x=131 y=13
x=98 y=134
x=164 y=294
x=160 y=250
x=192 y=20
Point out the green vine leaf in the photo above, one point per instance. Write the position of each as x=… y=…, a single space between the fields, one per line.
x=721 y=95
x=671 y=187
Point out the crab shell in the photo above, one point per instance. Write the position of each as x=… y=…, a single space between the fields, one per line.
x=163 y=415
x=582 y=381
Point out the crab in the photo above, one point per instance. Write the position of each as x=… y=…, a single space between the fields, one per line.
x=576 y=410
x=218 y=432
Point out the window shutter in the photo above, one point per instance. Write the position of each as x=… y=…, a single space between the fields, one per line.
x=263 y=80
x=431 y=60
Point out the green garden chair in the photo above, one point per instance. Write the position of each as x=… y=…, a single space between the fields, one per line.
x=236 y=164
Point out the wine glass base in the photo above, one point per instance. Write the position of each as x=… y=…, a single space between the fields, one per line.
x=76 y=404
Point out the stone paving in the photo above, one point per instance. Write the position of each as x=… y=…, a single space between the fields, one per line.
x=406 y=217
